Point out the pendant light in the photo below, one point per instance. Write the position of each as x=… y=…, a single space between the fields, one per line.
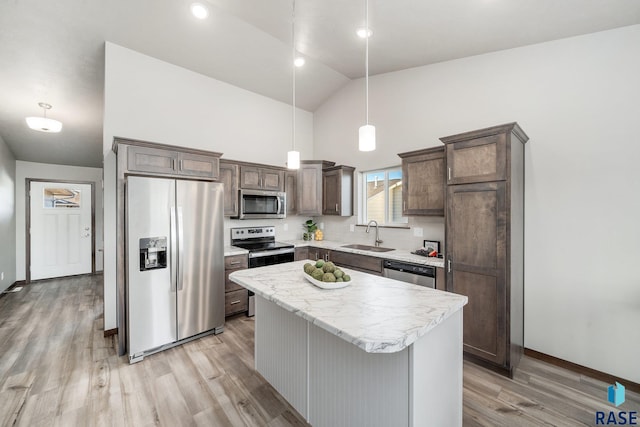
x=367 y=133
x=293 y=156
x=44 y=124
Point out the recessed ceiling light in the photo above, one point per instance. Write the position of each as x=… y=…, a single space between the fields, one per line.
x=199 y=10
x=362 y=32
x=299 y=61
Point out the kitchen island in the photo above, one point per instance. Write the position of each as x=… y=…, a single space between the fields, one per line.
x=378 y=352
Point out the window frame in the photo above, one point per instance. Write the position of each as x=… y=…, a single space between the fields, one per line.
x=362 y=198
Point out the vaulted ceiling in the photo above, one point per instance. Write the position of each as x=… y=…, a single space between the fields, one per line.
x=53 y=51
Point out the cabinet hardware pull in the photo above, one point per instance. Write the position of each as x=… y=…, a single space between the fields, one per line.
x=449 y=266
x=336 y=207
x=180 y=164
x=326 y=257
x=235 y=302
x=449 y=169
x=235 y=262
x=404 y=206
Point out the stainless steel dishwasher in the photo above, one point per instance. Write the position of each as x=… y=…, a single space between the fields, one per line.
x=422 y=275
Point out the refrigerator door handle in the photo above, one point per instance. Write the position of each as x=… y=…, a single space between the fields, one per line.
x=180 y=248
x=172 y=245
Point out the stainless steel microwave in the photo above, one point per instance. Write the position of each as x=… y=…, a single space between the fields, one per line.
x=257 y=204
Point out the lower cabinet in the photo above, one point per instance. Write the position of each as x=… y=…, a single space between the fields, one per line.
x=364 y=263
x=236 y=298
x=319 y=253
x=440 y=279
x=301 y=254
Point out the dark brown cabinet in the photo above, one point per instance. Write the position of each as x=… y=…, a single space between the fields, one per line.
x=423 y=182
x=367 y=264
x=261 y=178
x=291 y=188
x=316 y=253
x=440 y=279
x=337 y=191
x=484 y=240
x=164 y=161
x=309 y=183
x=229 y=178
x=301 y=254
x=236 y=297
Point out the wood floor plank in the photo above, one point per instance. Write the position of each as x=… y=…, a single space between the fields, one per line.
x=57 y=368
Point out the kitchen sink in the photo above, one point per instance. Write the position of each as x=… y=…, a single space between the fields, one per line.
x=368 y=248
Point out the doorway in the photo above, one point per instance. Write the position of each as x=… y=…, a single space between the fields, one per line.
x=60 y=237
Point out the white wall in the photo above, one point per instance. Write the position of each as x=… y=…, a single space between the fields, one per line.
x=152 y=100
x=7 y=216
x=578 y=100
x=47 y=171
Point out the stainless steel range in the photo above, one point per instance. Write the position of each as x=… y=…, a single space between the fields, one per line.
x=263 y=249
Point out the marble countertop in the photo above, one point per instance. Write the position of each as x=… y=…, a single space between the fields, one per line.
x=233 y=250
x=396 y=254
x=377 y=314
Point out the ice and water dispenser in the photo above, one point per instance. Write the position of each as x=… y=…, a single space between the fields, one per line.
x=153 y=253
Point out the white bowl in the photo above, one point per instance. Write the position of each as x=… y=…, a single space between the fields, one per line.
x=327 y=285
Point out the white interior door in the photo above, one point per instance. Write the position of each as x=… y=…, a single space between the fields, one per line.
x=60 y=233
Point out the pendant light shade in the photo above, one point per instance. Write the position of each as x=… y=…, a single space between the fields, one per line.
x=293 y=156
x=293 y=160
x=367 y=133
x=367 y=138
x=44 y=124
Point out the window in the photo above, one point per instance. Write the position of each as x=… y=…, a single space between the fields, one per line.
x=382 y=197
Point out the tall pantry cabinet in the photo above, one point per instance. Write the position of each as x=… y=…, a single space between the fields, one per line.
x=484 y=240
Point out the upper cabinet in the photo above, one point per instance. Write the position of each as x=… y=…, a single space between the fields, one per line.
x=229 y=172
x=480 y=156
x=290 y=187
x=337 y=191
x=261 y=178
x=167 y=160
x=309 y=183
x=423 y=182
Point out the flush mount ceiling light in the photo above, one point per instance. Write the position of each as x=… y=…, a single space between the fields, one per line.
x=44 y=124
x=366 y=133
x=293 y=156
x=299 y=61
x=199 y=10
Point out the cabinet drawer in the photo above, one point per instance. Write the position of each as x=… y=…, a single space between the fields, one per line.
x=301 y=254
x=236 y=302
x=228 y=284
x=364 y=263
x=236 y=261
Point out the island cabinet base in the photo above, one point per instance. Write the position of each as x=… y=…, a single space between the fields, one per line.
x=332 y=382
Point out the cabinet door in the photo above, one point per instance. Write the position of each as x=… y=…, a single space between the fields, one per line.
x=310 y=190
x=482 y=159
x=272 y=179
x=229 y=178
x=291 y=188
x=250 y=177
x=331 y=192
x=154 y=160
x=423 y=184
x=301 y=254
x=358 y=262
x=316 y=253
x=198 y=165
x=475 y=262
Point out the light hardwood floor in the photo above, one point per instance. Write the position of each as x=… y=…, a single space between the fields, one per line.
x=56 y=368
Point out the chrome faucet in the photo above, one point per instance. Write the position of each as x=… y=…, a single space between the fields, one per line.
x=375 y=223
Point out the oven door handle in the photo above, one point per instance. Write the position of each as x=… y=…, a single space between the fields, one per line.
x=273 y=252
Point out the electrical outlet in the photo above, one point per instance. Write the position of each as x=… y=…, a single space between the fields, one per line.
x=2 y=276
x=352 y=228
x=285 y=227
x=322 y=226
x=417 y=231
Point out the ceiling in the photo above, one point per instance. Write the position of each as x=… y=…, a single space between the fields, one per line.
x=53 y=51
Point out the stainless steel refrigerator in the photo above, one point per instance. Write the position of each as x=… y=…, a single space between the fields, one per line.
x=175 y=262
